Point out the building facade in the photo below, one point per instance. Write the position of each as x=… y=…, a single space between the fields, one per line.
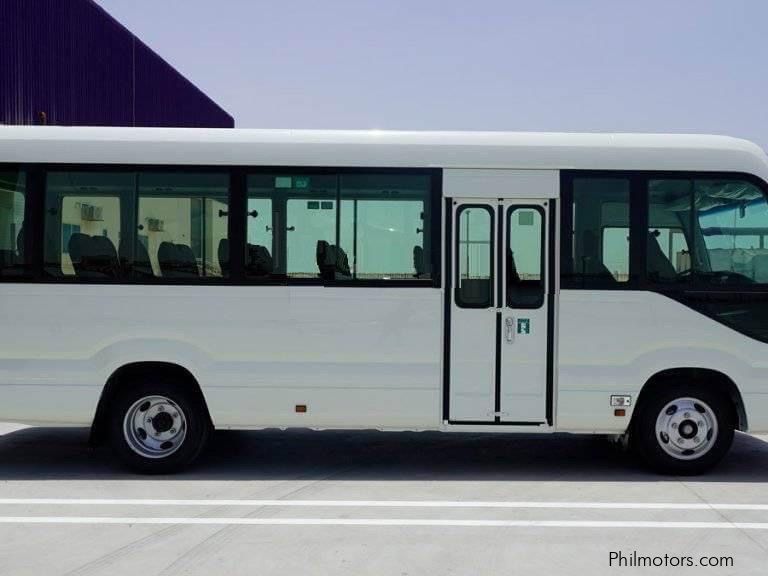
x=68 y=62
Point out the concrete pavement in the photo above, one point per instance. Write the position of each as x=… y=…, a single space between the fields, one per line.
x=374 y=503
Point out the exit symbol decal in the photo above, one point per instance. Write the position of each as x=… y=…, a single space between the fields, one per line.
x=523 y=325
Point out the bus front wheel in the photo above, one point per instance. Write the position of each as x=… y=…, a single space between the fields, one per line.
x=157 y=427
x=684 y=429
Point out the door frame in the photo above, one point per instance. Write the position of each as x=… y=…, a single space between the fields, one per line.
x=551 y=181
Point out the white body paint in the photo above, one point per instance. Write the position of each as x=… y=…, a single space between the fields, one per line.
x=359 y=357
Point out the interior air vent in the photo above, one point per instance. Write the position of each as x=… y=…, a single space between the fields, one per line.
x=155 y=224
x=91 y=213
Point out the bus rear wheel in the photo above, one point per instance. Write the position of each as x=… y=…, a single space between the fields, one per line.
x=157 y=427
x=684 y=429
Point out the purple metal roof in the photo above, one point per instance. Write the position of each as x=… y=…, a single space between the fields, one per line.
x=73 y=62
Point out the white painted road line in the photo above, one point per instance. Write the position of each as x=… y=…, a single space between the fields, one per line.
x=383 y=522
x=383 y=504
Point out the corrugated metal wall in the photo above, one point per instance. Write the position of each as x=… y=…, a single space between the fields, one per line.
x=76 y=64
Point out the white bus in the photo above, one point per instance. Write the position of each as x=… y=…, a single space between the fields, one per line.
x=156 y=284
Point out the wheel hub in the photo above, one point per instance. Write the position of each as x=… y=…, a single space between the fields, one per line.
x=162 y=422
x=686 y=428
x=155 y=426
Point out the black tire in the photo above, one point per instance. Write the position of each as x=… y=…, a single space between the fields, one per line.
x=648 y=442
x=195 y=418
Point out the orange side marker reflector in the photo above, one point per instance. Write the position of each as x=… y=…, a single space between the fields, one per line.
x=619 y=412
x=301 y=408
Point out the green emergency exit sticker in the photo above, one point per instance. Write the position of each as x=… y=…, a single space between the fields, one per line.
x=523 y=325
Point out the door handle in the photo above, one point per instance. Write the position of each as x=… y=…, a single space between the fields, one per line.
x=509 y=329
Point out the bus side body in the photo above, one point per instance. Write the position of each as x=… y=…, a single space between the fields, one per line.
x=326 y=297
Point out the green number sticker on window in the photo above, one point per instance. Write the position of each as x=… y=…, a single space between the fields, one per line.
x=523 y=325
x=283 y=182
x=525 y=218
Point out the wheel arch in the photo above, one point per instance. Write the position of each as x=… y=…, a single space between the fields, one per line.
x=705 y=377
x=130 y=371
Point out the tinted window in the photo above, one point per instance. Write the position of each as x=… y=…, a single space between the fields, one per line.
x=733 y=219
x=669 y=223
x=525 y=258
x=712 y=232
x=312 y=247
x=615 y=249
x=341 y=227
x=262 y=259
x=128 y=225
x=474 y=268
x=149 y=225
x=182 y=225
x=83 y=222
x=292 y=224
x=12 y=205
x=599 y=242
x=384 y=224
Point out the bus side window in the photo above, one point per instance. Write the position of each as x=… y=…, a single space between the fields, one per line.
x=707 y=232
x=12 y=212
x=597 y=245
x=182 y=225
x=84 y=223
x=384 y=225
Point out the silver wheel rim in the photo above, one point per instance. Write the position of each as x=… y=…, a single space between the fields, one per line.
x=155 y=427
x=686 y=428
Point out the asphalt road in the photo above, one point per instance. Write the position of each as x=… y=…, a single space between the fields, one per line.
x=359 y=503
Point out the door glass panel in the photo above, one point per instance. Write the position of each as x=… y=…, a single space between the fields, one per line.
x=474 y=284
x=525 y=258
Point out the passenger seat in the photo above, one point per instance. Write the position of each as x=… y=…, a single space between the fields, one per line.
x=591 y=264
x=223 y=254
x=177 y=261
x=93 y=256
x=418 y=261
x=332 y=261
x=659 y=266
x=260 y=262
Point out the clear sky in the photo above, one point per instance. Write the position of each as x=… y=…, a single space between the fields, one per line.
x=559 y=65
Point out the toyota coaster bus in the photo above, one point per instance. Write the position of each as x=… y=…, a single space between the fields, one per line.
x=156 y=284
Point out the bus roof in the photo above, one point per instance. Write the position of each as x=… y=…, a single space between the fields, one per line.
x=380 y=148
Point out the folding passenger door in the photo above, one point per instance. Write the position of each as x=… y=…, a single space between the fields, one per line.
x=500 y=325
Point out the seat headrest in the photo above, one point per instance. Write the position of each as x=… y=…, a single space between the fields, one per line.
x=260 y=262
x=77 y=245
x=223 y=253
x=418 y=260
x=166 y=252
x=340 y=261
x=102 y=247
x=177 y=260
